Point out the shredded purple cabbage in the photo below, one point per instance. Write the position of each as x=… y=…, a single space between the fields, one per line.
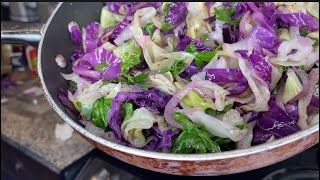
x=295 y=20
x=70 y=108
x=293 y=111
x=177 y=13
x=95 y=58
x=191 y=70
x=76 y=35
x=118 y=28
x=266 y=8
x=229 y=36
x=92 y=40
x=314 y=101
x=140 y=5
x=162 y=140
x=187 y=40
x=264 y=39
x=226 y=76
x=152 y=99
x=277 y=121
x=260 y=136
x=261 y=66
x=76 y=54
x=209 y=4
x=115 y=6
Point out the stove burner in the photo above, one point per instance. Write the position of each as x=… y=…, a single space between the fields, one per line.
x=293 y=174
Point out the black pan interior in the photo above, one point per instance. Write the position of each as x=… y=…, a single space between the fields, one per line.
x=57 y=40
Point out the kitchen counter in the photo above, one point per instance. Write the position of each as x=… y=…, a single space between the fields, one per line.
x=33 y=133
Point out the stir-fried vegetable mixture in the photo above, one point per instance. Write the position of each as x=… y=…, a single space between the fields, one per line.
x=196 y=77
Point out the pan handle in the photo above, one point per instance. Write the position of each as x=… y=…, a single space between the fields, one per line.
x=21 y=33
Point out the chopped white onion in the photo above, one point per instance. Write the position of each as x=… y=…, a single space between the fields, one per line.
x=61 y=61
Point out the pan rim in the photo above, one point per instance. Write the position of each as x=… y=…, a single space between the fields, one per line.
x=159 y=155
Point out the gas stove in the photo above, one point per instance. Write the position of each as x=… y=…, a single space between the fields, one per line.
x=98 y=165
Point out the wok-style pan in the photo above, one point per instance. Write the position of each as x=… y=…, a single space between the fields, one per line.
x=54 y=38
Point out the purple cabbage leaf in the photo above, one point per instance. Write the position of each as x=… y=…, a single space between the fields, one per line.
x=152 y=99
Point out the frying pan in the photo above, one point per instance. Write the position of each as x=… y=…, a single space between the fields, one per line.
x=54 y=38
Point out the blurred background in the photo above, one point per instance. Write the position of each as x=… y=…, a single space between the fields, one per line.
x=37 y=144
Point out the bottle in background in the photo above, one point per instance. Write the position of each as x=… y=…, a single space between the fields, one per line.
x=18 y=63
x=6 y=50
x=31 y=56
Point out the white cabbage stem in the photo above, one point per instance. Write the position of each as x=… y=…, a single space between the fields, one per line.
x=305 y=101
x=142 y=118
x=258 y=86
x=215 y=126
x=162 y=83
x=245 y=142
